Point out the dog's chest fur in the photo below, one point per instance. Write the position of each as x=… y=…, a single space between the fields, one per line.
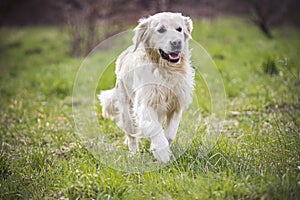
x=166 y=89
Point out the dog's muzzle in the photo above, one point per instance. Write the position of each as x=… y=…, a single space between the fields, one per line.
x=173 y=57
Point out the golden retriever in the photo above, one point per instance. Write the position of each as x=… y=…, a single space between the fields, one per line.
x=155 y=83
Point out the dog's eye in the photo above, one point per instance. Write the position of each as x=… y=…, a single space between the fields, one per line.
x=162 y=30
x=179 y=29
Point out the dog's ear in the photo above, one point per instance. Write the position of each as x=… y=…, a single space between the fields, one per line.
x=189 y=27
x=140 y=32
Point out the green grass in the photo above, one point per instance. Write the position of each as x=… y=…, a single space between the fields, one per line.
x=257 y=156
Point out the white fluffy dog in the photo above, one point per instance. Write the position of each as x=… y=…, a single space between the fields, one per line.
x=155 y=83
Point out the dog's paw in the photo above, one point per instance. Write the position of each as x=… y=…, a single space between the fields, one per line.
x=132 y=144
x=160 y=148
x=162 y=155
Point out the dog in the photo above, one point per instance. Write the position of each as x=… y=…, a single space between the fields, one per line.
x=154 y=83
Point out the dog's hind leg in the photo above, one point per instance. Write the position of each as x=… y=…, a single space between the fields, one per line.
x=129 y=129
x=126 y=119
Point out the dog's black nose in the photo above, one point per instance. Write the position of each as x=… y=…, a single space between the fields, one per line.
x=176 y=44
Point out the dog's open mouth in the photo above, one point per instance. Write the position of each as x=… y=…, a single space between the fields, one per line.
x=173 y=57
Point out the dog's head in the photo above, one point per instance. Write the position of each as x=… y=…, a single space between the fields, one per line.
x=166 y=34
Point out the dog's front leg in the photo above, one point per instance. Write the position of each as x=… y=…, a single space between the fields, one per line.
x=173 y=120
x=151 y=127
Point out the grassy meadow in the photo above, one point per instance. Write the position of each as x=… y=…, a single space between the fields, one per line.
x=257 y=156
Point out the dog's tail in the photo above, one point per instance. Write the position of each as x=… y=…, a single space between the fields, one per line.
x=108 y=103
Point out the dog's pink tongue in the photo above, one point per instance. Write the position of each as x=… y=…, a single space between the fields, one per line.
x=173 y=56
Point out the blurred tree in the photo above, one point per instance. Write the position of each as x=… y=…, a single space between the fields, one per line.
x=83 y=18
x=266 y=12
x=92 y=20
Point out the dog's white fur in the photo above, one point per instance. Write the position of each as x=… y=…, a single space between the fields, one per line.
x=151 y=90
